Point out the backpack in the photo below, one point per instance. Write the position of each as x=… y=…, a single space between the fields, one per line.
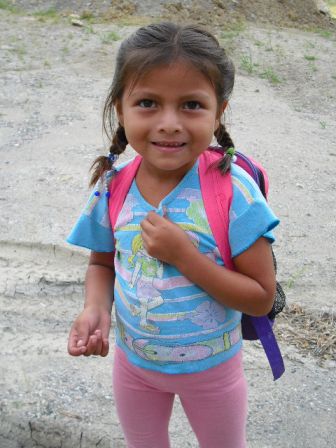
x=217 y=195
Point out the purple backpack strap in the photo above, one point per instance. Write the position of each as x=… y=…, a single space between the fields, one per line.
x=255 y=170
x=119 y=187
x=217 y=195
x=263 y=328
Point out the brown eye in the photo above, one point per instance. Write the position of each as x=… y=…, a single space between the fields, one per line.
x=192 y=105
x=146 y=104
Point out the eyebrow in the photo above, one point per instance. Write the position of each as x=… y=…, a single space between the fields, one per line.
x=193 y=94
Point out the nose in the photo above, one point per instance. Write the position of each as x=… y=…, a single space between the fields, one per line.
x=169 y=122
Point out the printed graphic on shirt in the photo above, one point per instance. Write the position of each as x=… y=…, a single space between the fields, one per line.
x=144 y=274
x=152 y=350
x=145 y=270
x=162 y=317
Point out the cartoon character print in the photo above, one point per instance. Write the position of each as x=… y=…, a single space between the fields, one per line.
x=146 y=270
x=195 y=211
x=152 y=350
x=173 y=354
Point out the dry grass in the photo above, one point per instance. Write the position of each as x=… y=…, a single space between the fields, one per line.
x=313 y=333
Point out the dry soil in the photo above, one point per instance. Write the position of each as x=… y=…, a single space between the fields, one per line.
x=54 y=77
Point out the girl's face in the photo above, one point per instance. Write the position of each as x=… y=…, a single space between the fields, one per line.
x=170 y=116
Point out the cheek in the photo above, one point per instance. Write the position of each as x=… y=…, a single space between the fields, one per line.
x=206 y=128
x=133 y=127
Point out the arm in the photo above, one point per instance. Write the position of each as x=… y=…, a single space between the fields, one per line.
x=89 y=332
x=250 y=289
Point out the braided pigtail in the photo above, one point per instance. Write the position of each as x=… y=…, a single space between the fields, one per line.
x=224 y=139
x=105 y=163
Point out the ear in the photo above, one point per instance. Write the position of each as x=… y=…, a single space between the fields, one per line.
x=220 y=112
x=119 y=112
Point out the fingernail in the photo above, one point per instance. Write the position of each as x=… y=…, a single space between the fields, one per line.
x=80 y=343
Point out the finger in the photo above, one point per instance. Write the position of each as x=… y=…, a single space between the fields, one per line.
x=75 y=349
x=99 y=342
x=146 y=225
x=145 y=240
x=91 y=345
x=82 y=330
x=105 y=347
x=105 y=337
x=154 y=218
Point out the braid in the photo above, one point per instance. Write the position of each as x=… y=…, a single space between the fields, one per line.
x=105 y=163
x=224 y=139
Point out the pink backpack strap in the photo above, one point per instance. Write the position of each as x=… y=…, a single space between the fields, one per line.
x=217 y=196
x=120 y=184
x=216 y=191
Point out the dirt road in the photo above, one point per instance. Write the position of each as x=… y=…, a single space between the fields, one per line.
x=54 y=77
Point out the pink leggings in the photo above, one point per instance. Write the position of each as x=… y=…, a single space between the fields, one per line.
x=215 y=402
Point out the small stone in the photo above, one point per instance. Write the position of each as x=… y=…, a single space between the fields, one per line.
x=77 y=22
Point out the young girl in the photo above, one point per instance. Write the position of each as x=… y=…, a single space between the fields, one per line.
x=178 y=308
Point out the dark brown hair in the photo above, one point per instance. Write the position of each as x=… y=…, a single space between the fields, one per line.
x=162 y=44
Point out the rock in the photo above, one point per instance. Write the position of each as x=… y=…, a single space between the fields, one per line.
x=322 y=7
x=77 y=22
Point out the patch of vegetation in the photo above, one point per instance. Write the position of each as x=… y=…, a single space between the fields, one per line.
x=89 y=29
x=314 y=332
x=309 y=44
x=324 y=33
x=87 y=15
x=271 y=76
x=247 y=64
x=8 y=6
x=110 y=37
x=232 y=32
x=310 y=57
x=296 y=276
x=258 y=43
x=48 y=14
x=134 y=21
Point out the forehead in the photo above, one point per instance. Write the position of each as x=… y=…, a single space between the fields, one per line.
x=175 y=76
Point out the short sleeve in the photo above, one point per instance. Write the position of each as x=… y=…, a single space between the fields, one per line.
x=250 y=215
x=93 y=228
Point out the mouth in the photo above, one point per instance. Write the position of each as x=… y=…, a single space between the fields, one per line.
x=167 y=146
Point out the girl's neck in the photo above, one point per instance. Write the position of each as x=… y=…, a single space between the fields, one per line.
x=155 y=185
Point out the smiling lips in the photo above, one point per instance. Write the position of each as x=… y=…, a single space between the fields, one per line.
x=169 y=146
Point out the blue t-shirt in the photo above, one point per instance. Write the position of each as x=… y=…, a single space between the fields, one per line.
x=165 y=322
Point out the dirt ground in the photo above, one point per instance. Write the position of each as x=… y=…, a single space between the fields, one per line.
x=54 y=77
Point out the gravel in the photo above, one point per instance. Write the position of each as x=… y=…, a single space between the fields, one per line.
x=54 y=77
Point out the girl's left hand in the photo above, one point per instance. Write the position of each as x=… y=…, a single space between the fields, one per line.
x=164 y=239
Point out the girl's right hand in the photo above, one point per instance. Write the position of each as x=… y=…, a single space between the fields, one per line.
x=89 y=332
